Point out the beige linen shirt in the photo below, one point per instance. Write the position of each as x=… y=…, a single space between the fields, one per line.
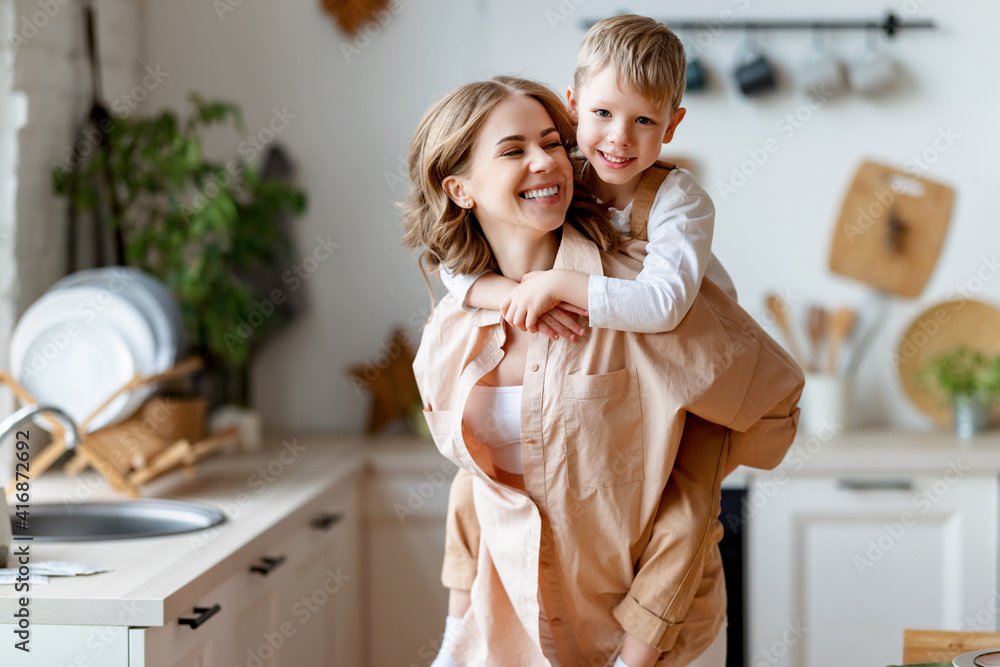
x=598 y=532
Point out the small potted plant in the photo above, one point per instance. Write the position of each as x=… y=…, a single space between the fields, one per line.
x=970 y=381
x=202 y=226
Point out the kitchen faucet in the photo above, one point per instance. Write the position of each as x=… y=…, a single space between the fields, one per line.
x=29 y=412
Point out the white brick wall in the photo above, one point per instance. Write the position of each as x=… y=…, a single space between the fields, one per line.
x=43 y=57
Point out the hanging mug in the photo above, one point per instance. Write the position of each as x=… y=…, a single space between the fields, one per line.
x=695 y=76
x=821 y=73
x=873 y=72
x=754 y=74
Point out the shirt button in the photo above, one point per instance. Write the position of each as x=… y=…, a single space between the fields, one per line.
x=529 y=441
x=532 y=367
x=555 y=622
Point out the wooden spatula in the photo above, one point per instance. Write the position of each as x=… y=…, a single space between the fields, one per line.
x=841 y=323
x=816 y=328
x=779 y=311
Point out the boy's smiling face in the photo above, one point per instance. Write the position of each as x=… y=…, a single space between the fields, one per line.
x=619 y=131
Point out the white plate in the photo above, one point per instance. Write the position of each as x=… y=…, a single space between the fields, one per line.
x=79 y=373
x=148 y=295
x=75 y=311
x=969 y=659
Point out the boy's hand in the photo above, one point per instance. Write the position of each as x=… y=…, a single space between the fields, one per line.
x=538 y=294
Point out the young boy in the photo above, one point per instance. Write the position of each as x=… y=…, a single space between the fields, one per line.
x=629 y=78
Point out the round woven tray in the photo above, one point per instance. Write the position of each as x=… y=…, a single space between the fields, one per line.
x=941 y=328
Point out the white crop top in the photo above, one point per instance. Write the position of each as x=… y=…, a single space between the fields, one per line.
x=493 y=414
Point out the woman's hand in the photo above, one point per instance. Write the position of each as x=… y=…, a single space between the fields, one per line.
x=637 y=654
x=560 y=322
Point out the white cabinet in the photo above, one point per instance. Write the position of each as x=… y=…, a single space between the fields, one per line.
x=406 y=500
x=291 y=601
x=288 y=597
x=839 y=565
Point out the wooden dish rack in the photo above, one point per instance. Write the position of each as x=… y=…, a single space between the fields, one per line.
x=131 y=453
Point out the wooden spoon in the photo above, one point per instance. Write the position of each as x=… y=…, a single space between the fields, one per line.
x=840 y=325
x=816 y=328
x=779 y=311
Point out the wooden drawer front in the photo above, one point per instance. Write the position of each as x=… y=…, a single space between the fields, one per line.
x=176 y=644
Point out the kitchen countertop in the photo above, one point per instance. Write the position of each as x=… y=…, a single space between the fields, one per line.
x=254 y=490
x=254 y=500
x=881 y=452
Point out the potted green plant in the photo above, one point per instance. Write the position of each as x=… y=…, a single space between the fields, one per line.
x=201 y=226
x=970 y=381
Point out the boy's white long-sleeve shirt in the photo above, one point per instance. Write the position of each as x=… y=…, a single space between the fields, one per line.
x=679 y=254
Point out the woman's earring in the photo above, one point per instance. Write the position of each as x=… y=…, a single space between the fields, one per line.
x=467 y=203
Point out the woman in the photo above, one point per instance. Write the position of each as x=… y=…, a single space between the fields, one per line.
x=590 y=548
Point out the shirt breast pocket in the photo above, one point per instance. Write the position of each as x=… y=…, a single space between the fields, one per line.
x=603 y=429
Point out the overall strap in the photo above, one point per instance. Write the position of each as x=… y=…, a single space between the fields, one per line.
x=642 y=203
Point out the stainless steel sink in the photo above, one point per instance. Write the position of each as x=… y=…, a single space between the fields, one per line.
x=117 y=520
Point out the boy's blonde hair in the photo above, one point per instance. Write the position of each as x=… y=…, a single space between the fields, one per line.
x=644 y=53
x=450 y=235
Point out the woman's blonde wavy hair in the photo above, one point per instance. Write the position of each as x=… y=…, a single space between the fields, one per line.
x=442 y=146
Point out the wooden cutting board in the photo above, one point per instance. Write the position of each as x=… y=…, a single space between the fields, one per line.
x=891 y=229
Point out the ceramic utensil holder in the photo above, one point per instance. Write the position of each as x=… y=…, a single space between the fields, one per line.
x=826 y=403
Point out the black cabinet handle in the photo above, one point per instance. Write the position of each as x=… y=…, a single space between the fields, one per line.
x=206 y=613
x=875 y=484
x=268 y=566
x=326 y=521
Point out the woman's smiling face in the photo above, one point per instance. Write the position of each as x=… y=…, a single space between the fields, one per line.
x=518 y=177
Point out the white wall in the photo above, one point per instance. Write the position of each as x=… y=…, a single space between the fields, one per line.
x=44 y=96
x=355 y=111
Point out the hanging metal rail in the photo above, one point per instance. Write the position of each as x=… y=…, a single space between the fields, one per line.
x=889 y=25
